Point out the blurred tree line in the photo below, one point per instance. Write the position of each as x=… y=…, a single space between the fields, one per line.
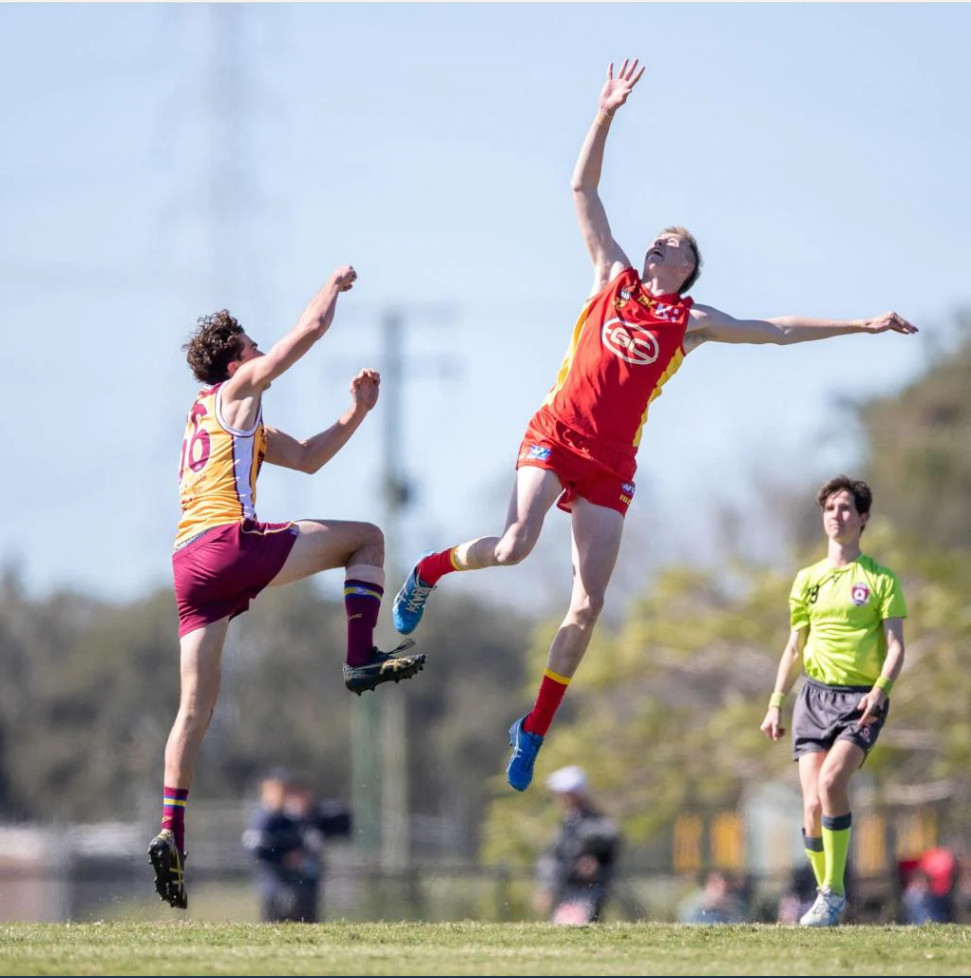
x=91 y=690
x=665 y=711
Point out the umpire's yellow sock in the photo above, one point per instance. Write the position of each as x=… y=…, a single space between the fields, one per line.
x=816 y=856
x=836 y=847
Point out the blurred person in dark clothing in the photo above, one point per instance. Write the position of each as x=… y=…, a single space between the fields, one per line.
x=286 y=838
x=715 y=902
x=317 y=821
x=576 y=872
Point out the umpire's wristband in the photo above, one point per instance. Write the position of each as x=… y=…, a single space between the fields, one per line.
x=777 y=699
x=884 y=683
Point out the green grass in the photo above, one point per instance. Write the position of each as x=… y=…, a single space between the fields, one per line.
x=479 y=949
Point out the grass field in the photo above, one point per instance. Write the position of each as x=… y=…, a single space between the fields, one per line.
x=479 y=949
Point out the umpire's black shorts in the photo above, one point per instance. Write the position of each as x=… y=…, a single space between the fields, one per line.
x=824 y=714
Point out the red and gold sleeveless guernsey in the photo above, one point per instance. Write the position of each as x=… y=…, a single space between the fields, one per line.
x=625 y=346
x=218 y=468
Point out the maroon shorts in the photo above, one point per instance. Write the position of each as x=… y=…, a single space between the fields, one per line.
x=221 y=571
x=580 y=474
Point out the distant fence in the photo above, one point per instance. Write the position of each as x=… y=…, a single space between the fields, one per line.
x=101 y=872
x=122 y=889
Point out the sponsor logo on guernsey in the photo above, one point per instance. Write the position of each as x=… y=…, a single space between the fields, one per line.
x=666 y=313
x=539 y=452
x=629 y=342
x=860 y=595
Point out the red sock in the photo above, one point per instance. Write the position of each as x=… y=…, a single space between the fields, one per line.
x=362 y=602
x=173 y=813
x=434 y=567
x=551 y=692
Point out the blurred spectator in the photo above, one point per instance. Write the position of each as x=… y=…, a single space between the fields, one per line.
x=917 y=904
x=716 y=902
x=286 y=837
x=799 y=897
x=929 y=885
x=317 y=820
x=575 y=873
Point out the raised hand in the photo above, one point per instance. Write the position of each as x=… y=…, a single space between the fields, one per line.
x=616 y=90
x=889 y=321
x=346 y=277
x=365 y=386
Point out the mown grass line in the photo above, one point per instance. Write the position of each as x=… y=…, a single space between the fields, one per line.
x=479 y=949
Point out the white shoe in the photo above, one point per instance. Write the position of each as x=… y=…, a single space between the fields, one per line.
x=827 y=911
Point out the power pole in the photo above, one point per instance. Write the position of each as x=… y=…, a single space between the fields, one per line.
x=395 y=849
x=378 y=755
x=379 y=722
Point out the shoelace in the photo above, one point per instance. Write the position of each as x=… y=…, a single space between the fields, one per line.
x=518 y=750
x=418 y=596
x=395 y=653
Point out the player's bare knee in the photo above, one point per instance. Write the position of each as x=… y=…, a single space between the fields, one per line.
x=514 y=547
x=373 y=536
x=830 y=784
x=586 y=608
x=370 y=547
x=812 y=810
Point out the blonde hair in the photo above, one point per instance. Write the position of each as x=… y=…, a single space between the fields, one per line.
x=688 y=237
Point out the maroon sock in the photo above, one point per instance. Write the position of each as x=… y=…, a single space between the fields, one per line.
x=551 y=692
x=434 y=567
x=173 y=813
x=362 y=602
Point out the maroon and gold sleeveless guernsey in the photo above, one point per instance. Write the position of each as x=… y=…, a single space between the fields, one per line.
x=218 y=468
x=625 y=346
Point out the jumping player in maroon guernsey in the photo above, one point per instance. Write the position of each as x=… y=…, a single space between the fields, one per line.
x=579 y=450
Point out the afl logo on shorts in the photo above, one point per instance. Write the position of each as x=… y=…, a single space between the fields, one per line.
x=860 y=595
x=631 y=343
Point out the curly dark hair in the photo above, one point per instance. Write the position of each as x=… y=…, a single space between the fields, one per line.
x=213 y=345
x=859 y=490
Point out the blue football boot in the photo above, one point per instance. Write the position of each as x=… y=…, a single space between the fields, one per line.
x=525 y=747
x=409 y=602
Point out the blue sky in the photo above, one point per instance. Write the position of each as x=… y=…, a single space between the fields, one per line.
x=163 y=161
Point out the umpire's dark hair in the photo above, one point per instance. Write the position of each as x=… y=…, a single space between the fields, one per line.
x=858 y=489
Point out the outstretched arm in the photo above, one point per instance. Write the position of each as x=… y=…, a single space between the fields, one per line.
x=254 y=376
x=308 y=456
x=708 y=323
x=607 y=256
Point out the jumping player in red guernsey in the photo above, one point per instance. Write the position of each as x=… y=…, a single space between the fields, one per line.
x=580 y=446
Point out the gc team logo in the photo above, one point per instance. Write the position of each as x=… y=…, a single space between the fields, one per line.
x=631 y=343
x=860 y=595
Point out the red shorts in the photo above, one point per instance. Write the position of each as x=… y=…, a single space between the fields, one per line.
x=580 y=474
x=221 y=571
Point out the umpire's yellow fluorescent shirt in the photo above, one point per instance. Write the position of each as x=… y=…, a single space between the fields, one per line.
x=844 y=609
